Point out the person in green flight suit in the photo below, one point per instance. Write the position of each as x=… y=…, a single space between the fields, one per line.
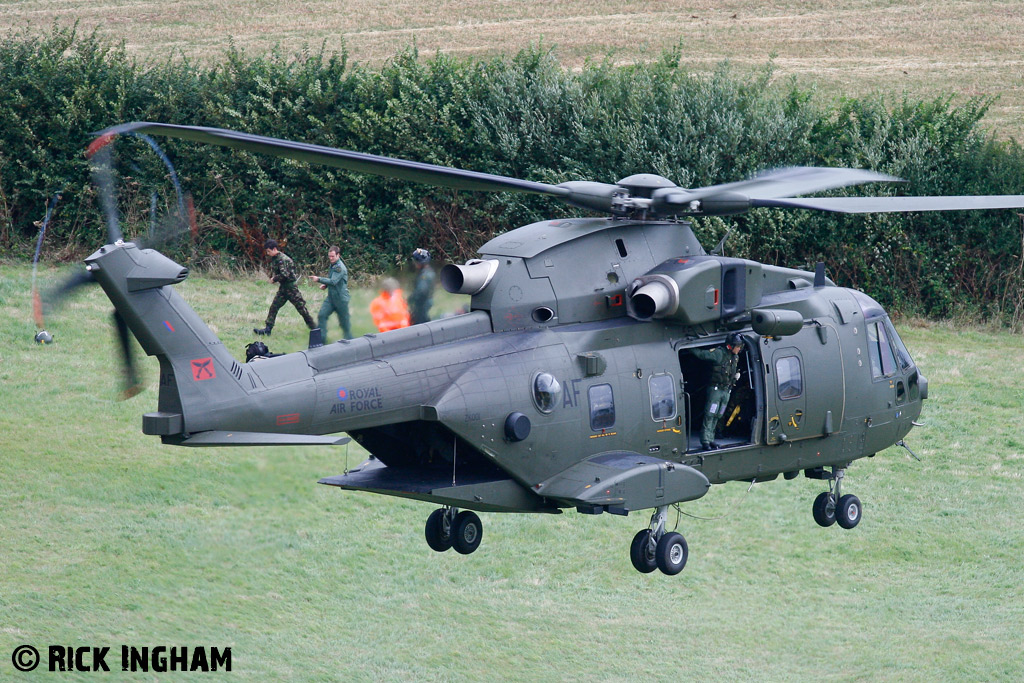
x=422 y=297
x=282 y=271
x=724 y=373
x=336 y=284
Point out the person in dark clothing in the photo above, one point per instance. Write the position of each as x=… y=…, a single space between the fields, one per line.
x=422 y=297
x=724 y=374
x=282 y=271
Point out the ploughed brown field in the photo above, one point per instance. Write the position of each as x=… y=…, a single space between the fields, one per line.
x=923 y=48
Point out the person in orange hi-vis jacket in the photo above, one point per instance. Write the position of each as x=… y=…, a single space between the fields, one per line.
x=389 y=309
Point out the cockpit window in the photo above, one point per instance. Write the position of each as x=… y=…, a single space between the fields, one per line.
x=868 y=306
x=883 y=363
x=902 y=355
x=663 y=397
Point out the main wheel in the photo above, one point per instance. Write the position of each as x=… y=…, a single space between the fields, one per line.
x=467 y=532
x=438 y=531
x=824 y=509
x=671 y=553
x=848 y=512
x=641 y=554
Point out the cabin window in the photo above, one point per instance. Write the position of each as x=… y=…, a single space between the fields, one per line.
x=602 y=407
x=546 y=391
x=883 y=364
x=663 y=397
x=790 y=379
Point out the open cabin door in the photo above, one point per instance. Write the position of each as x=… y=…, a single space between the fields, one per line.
x=805 y=388
x=737 y=426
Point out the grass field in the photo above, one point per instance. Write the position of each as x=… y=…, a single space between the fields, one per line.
x=107 y=537
x=921 y=47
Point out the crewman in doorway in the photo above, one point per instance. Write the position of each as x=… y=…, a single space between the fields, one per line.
x=724 y=374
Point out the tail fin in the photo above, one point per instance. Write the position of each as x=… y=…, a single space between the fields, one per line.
x=196 y=372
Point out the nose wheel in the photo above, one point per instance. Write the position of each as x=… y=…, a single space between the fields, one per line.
x=831 y=507
x=654 y=548
x=448 y=528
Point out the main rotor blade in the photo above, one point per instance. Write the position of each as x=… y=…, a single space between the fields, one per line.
x=352 y=161
x=792 y=181
x=896 y=204
x=103 y=179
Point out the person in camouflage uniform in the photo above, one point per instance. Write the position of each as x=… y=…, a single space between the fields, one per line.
x=422 y=297
x=724 y=373
x=336 y=284
x=282 y=271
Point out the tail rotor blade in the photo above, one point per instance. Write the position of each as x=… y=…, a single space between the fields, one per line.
x=56 y=296
x=132 y=383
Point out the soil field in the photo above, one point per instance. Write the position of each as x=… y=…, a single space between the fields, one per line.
x=923 y=48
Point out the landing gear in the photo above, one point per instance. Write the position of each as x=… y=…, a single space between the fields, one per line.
x=653 y=548
x=824 y=509
x=467 y=532
x=439 y=529
x=831 y=507
x=671 y=553
x=641 y=552
x=849 y=511
x=448 y=528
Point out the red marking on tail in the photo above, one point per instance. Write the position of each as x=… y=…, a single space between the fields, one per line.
x=203 y=368
x=98 y=144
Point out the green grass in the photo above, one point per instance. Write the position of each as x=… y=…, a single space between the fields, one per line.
x=107 y=537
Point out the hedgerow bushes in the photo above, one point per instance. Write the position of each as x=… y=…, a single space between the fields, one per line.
x=523 y=116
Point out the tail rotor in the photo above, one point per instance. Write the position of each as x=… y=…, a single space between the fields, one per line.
x=168 y=228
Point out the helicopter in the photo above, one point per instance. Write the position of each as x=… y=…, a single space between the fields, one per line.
x=575 y=380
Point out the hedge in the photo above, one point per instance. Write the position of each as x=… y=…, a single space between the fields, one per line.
x=524 y=116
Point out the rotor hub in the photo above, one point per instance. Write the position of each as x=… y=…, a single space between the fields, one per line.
x=643 y=184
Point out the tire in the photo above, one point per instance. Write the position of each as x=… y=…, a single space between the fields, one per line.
x=671 y=553
x=849 y=511
x=467 y=532
x=640 y=553
x=823 y=515
x=438 y=538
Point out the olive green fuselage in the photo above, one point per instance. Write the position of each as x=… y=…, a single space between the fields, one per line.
x=557 y=389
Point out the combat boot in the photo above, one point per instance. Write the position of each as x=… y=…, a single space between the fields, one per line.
x=263 y=332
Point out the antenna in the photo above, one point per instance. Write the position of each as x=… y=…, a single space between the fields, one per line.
x=717 y=251
x=819 y=274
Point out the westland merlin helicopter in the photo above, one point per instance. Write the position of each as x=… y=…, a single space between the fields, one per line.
x=572 y=381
